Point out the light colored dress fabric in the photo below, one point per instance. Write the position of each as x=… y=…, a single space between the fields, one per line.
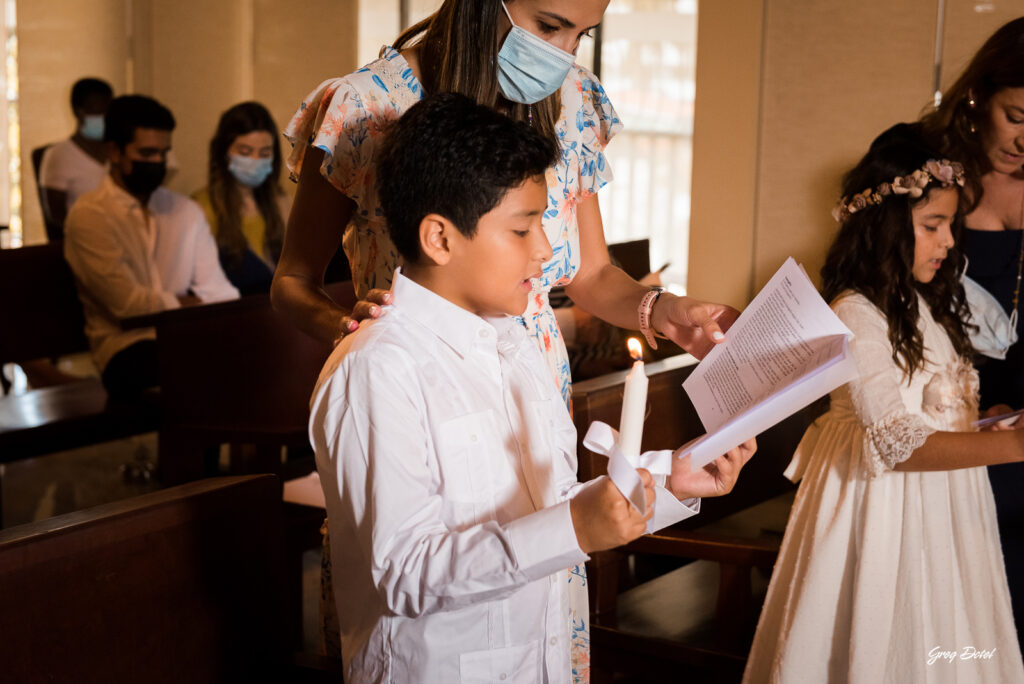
x=887 y=576
x=347 y=117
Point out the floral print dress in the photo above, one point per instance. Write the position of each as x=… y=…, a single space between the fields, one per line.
x=347 y=117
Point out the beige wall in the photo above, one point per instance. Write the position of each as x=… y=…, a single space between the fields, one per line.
x=198 y=68
x=54 y=51
x=832 y=81
x=297 y=45
x=197 y=57
x=817 y=80
x=725 y=143
x=965 y=30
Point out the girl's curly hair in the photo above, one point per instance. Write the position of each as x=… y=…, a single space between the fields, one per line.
x=873 y=253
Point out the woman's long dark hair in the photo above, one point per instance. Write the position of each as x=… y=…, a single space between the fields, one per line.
x=957 y=128
x=459 y=47
x=873 y=253
x=226 y=196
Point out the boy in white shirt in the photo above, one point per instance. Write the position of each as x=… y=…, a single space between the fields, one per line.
x=445 y=451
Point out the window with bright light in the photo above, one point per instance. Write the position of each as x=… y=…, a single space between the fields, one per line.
x=10 y=149
x=648 y=66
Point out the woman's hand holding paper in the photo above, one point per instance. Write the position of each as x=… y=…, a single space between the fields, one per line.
x=694 y=325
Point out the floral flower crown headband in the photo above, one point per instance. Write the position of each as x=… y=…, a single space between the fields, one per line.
x=943 y=172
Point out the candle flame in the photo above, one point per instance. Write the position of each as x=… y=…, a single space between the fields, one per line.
x=636 y=351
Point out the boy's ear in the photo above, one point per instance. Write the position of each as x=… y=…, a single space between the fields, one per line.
x=436 y=238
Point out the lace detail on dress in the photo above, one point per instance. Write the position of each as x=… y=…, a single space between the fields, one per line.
x=892 y=440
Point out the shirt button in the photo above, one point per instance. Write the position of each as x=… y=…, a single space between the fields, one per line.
x=482 y=333
x=472 y=438
x=554 y=640
x=502 y=676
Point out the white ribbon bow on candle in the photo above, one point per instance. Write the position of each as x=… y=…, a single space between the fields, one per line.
x=603 y=439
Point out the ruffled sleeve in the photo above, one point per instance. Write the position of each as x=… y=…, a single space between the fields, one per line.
x=347 y=118
x=597 y=122
x=891 y=431
x=320 y=122
x=891 y=440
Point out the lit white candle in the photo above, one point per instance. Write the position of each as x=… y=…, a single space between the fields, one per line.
x=634 y=405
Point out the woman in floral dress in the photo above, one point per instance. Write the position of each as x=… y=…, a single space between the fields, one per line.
x=517 y=56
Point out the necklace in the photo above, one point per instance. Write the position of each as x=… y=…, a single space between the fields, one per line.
x=1020 y=257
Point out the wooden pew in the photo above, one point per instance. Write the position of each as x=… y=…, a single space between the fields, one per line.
x=180 y=585
x=41 y=317
x=696 y=621
x=234 y=373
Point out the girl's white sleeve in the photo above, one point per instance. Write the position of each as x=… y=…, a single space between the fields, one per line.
x=892 y=431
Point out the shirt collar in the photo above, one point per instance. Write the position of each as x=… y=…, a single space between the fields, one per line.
x=122 y=196
x=455 y=326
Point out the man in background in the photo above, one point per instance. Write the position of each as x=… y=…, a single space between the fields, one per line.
x=138 y=248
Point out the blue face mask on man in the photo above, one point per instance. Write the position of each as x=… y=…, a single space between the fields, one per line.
x=250 y=171
x=529 y=67
x=92 y=127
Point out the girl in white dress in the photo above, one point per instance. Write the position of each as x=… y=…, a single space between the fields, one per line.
x=890 y=569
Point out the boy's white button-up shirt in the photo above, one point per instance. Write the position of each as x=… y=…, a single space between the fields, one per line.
x=447 y=458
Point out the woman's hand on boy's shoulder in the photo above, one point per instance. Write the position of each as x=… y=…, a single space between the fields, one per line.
x=371 y=308
x=714 y=479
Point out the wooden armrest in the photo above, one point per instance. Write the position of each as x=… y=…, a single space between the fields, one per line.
x=750 y=551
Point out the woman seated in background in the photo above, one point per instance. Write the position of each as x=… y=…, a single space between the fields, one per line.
x=243 y=199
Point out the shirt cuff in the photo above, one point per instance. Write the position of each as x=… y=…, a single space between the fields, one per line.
x=545 y=542
x=668 y=510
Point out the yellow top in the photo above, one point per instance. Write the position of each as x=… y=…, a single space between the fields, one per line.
x=254 y=228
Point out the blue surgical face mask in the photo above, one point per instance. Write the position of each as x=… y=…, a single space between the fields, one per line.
x=92 y=127
x=250 y=171
x=529 y=67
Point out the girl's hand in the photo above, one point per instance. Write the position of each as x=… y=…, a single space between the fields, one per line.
x=1011 y=423
x=364 y=308
x=714 y=479
x=694 y=325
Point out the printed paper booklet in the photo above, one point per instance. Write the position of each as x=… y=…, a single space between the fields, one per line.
x=785 y=351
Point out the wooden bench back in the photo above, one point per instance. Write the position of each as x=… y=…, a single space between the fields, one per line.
x=181 y=585
x=40 y=313
x=672 y=421
x=239 y=365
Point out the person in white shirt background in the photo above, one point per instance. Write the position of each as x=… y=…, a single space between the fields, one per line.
x=446 y=453
x=73 y=167
x=137 y=248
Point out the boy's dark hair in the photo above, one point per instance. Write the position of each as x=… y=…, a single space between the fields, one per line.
x=128 y=112
x=873 y=252
x=85 y=88
x=450 y=156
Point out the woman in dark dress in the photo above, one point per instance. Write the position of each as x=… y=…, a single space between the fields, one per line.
x=981 y=124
